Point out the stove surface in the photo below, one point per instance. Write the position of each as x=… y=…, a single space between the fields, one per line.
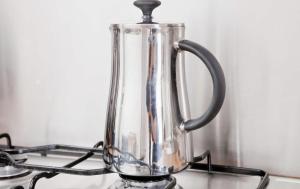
x=188 y=179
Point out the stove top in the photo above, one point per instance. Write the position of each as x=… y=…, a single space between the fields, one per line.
x=84 y=169
x=188 y=179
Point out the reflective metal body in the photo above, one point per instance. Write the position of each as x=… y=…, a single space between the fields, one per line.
x=145 y=110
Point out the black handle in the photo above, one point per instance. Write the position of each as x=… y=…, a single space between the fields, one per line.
x=218 y=79
x=147 y=6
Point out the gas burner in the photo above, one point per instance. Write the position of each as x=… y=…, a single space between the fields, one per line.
x=7 y=171
x=14 y=178
x=167 y=182
x=10 y=172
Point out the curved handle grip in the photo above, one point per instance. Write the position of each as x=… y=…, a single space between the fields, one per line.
x=218 y=83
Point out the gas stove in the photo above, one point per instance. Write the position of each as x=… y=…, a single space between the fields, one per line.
x=62 y=166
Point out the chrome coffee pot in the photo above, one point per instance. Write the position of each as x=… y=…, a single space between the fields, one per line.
x=148 y=121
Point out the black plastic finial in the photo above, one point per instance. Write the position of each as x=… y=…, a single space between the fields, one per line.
x=147 y=6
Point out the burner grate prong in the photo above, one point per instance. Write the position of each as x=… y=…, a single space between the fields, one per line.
x=49 y=175
x=212 y=168
x=8 y=139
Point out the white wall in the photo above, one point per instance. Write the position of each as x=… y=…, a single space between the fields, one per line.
x=55 y=64
x=258 y=45
x=55 y=73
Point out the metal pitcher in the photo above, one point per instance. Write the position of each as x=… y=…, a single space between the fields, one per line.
x=148 y=120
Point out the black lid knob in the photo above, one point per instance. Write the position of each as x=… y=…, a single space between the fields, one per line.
x=147 y=6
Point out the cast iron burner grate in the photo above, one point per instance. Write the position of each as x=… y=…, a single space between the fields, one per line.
x=7 y=151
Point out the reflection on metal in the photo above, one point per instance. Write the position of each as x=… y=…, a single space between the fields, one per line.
x=144 y=109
